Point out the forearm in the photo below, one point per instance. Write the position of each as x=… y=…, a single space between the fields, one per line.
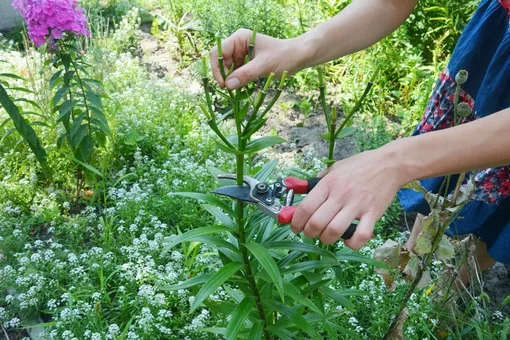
x=358 y=26
x=480 y=144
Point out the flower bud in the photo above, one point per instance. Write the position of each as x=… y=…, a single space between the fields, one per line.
x=464 y=110
x=461 y=77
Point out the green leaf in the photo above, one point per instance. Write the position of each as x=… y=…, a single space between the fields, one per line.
x=309 y=265
x=294 y=316
x=215 y=330
x=31 y=102
x=342 y=330
x=206 y=198
x=295 y=294
x=298 y=246
x=191 y=234
x=21 y=89
x=239 y=317
x=326 y=136
x=256 y=330
x=93 y=100
x=338 y=297
x=220 y=215
x=10 y=75
x=216 y=280
x=348 y=256
x=262 y=143
x=84 y=165
x=65 y=109
x=226 y=149
x=263 y=174
x=59 y=95
x=217 y=242
x=267 y=262
x=346 y=132
x=54 y=78
x=244 y=110
x=281 y=332
x=26 y=131
x=189 y=283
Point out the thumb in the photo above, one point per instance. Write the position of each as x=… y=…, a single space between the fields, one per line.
x=245 y=74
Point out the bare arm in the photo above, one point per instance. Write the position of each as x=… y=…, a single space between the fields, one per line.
x=361 y=24
x=364 y=185
x=358 y=26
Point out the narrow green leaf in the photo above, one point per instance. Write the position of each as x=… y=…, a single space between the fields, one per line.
x=65 y=109
x=218 y=242
x=54 y=78
x=190 y=235
x=189 y=283
x=346 y=132
x=93 y=100
x=85 y=165
x=348 y=256
x=226 y=149
x=215 y=330
x=262 y=143
x=343 y=331
x=298 y=246
x=338 y=297
x=216 y=280
x=21 y=89
x=309 y=265
x=239 y=317
x=256 y=330
x=282 y=333
x=220 y=215
x=293 y=315
x=206 y=198
x=267 y=262
x=10 y=75
x=295 y=294
x=28 y=101
x=59 y=95
x=266 y=171
x=26 y=131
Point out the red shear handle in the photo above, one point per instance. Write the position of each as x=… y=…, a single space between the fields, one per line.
x=300 y=186
x=286 y=214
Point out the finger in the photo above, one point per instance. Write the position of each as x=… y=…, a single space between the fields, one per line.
x=215 y=67
x=247 y=73
x=363 y=232
x=308 y=206
x=321 y=218
x=337 y=227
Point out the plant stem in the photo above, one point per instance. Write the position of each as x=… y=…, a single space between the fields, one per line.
x=242 y=234
x=331 y=136
x=355 y=109
x=89 y=118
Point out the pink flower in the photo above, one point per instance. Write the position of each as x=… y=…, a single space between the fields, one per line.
x=48 y=19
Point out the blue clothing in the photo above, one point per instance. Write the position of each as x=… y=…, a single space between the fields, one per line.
x=484 y=51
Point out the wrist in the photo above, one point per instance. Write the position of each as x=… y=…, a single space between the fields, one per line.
x=405 y=167
x=304 y=50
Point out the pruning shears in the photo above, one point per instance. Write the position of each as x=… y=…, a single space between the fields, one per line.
x=268 y=197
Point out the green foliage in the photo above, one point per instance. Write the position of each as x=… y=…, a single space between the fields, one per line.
x=21 y=125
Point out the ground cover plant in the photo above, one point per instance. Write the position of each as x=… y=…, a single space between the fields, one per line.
x=95 y=243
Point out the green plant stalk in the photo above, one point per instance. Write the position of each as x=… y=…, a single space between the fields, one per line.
x=242 y=232
x=261 y=96
x=276 y=96
x=355 y=109
x=251 y=47
x=84 y=101
x=221 y=64
x=331 y=136
x=322 y=97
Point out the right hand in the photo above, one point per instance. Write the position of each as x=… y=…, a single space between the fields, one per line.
x=270 y=55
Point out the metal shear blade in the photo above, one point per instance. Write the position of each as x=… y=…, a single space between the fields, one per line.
x=237 y=192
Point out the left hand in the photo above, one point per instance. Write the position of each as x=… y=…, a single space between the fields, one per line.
x=360 y=187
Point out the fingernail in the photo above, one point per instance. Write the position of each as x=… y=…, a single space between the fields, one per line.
x=233 y=83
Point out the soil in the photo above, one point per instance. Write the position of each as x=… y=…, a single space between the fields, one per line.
x=162 y=61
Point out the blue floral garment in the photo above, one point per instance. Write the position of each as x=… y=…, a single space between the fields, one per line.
x=484 y=51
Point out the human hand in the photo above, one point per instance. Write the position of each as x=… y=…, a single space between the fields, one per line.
x=361 y=187
x=269 y=55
